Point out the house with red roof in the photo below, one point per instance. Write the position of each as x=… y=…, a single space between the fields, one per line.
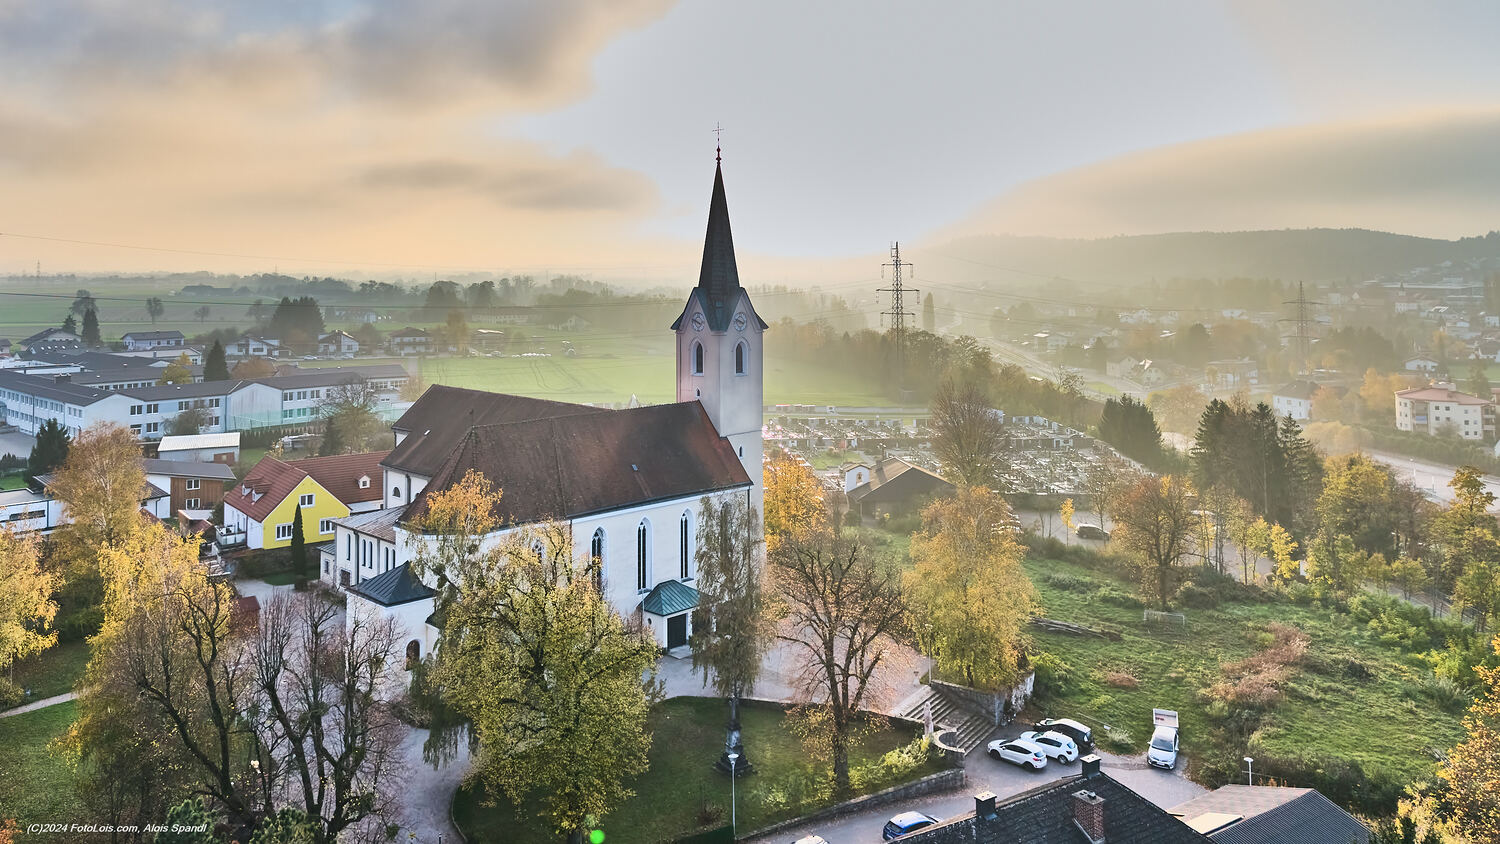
x=261 y=510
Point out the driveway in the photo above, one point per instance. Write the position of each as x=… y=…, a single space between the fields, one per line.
x=1164 y=788
x=427 y=792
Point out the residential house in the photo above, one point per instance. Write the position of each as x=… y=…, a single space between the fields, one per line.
x=260 y=510
x=52 y=340
x=1439 y=409
x=1086 y=808
x=1421 y=363
x=1233 y=374
x=1263 y=814
x=203 y=448
x=191 y=485
x=255 y=346
x=166 y=355
x=1294 y=400
x=855 y=475
x=138 y=341
x=338 y=343
x=896 y=487
x=410 y=341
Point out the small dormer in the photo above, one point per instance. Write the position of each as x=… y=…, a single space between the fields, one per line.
x=364 y=481
x=855 y=475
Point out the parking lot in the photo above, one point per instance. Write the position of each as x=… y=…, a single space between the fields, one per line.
x=1164 y=788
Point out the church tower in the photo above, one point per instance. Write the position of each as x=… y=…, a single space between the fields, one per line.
x=720 y=345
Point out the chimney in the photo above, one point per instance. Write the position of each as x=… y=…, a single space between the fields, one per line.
x=1088 y=813
x=62 y=379
x=984 y=805
x=1091 y=766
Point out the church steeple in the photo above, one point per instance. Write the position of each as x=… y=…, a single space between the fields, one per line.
x=719 y=279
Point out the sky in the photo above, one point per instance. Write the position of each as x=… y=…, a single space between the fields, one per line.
x=377 y=137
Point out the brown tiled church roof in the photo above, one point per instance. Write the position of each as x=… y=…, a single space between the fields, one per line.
x=439 y=419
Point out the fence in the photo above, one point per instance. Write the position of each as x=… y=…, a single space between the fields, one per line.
x=1159 y=617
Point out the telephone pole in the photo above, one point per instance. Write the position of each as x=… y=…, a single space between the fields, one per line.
x=898 y=312
x=1302 y=321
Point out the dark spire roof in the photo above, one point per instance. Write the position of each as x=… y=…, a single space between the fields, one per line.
x=719 y=279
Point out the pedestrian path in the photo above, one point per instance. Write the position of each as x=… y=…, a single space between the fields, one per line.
x=41 y=704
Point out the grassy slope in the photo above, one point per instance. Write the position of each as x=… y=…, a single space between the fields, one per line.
x=688 y=734
x=1327 y=713
x=54 y=671
x=36 y=785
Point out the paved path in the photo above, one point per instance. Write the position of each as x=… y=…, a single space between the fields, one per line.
x=40 y=704
x=427 y=793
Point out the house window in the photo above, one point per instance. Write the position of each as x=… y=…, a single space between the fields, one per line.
x=194 y=483
x=135 y=429
x=191 y=503
x=305 y=500
x=153 y=408
x=135 y=410
x=364 y=482
x=739 y=359
x=682 y=530
x=153 y=427
x=348 y=546
x=395 y=492
x=697 y=358
x=642 y=555
x=596 y=555
x=327 y=565
x=325 y=526
x=284 y=530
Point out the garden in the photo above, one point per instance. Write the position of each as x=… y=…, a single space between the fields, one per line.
x=681 y=794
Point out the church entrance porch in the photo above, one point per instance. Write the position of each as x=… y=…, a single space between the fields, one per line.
x=665 y=611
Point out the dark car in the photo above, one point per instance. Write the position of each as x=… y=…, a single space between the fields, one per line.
x=1070 y=728
x=906 y=822
x=1092 y=532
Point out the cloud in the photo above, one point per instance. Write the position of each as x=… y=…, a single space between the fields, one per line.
x=531 y=182
x=1433 y=174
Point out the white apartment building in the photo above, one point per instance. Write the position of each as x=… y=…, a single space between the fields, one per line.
x=1440 y=410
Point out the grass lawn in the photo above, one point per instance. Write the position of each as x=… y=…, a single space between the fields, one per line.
x=36 y=785
x=1350 y=700
x=688 y=735
x=13 y=481
x=832 y=458
x=54 y=671
x=280 y=578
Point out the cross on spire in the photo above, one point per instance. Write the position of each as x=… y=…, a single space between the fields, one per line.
x=718 y=136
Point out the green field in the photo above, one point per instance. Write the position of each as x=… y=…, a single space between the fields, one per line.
x=1352 y=699
x=54 y=671
x=688 y=734
x=36 y=784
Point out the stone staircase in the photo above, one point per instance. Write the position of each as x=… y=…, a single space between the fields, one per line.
x=948 y=713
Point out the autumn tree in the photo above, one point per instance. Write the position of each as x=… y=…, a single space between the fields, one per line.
x=26 y=605
x=968 y=436
x=1353 y=515
x=349 y=411
x=731 y=633
x=251 y=368
x=190 y=421
x=178 y=371
x=534 y=655
x=1470 y=776
x=968 y=594
x=794 y=499
x=1155 y=524
x=841 y=613
x=101 y=484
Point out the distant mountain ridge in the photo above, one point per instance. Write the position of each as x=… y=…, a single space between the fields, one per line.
x=1310 y=255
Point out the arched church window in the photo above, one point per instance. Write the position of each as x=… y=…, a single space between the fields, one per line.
x=596 y=554
x=643 y=555
x=739 y=359
x=413 y=654
x=685 y=525
x=697 y=358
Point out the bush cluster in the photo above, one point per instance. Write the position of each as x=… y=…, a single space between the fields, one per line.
x=1258 y=681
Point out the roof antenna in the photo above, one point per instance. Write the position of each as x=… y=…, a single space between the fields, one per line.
x=718 y=136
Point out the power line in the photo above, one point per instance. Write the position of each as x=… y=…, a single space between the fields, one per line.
x=1302 y=320
x=898 y=312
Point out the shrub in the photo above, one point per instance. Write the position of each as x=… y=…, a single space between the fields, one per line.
x=1120 y=680
x=1053 y=675
x=1445 y=693
x=80 y=624
x=10 y=694
x=1257 y=681
x=1343 y=781
x=1119 y=740
x=1068 y=582
x=1196 y=597
x=710 y=814
x=1116 y=597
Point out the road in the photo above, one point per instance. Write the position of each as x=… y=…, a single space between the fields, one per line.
x=1164 y=788
x=1432 y=478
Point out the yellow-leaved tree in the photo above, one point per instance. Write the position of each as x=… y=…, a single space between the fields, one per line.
x=1471 y=775
x=101 y=484
x=793 y=499
x=967 y=592
x=26 y=605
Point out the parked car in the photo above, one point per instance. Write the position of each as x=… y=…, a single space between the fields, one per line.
x=1164 y=739
x=906 y=822
x=1019 y=752
x=1087 y=531
x=1070 y=728
x=1056 y=745
x=811 y=839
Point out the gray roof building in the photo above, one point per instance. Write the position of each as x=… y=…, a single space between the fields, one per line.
x=1243 y=814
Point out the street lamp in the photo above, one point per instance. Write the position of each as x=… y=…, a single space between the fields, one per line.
x=733 y=758
x=1249 y=771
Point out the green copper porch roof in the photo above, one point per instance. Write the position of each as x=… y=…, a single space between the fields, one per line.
x=670 y=597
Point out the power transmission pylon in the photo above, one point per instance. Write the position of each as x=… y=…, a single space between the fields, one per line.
x=1302 y=321
x=898 y=312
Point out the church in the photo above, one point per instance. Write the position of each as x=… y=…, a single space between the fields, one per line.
x=627 y=483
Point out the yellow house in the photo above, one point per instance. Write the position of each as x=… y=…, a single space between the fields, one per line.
x=262 y=509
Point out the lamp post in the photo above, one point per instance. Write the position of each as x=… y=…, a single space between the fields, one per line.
x=1249 y=771
x=733 y=758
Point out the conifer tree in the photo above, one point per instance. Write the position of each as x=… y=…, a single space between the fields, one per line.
x=216 y=365
x=91 y=328
x=50 y=450
x=299 y=546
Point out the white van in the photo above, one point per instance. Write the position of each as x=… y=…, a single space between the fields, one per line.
x=1163 y=751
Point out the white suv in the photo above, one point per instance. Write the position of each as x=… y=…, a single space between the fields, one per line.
x=1019 y=752
x=1054 y=744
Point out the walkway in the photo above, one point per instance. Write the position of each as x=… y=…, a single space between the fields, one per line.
x=40 y=704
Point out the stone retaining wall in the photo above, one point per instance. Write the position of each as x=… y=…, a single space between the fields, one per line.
x=930 y=784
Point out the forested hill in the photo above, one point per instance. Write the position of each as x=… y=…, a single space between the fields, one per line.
x=1289 y=255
